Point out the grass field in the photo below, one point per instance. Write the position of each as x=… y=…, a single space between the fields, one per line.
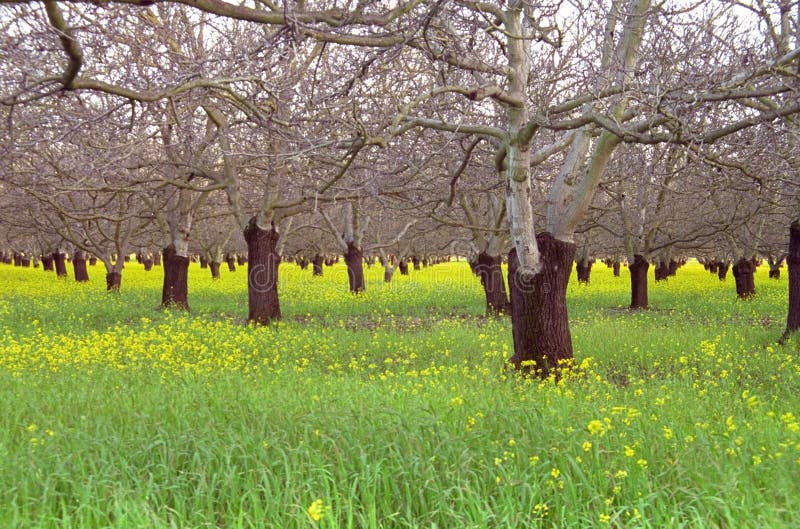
x=392 y=409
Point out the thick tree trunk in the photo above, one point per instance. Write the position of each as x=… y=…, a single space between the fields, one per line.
x=638 y=269
x=316 y=264
x=488 y=269
x=793 y=265
x=175 y=292
x=615 y=268
x=113 y=281
x=775 y=268
x=415 y=261
x=92 y=261
x=147 y=261
x=79 y=267
x=539 y=320
x=203 y=262
x=59 y=260
x=241 y=260
x=157 y=259
x=262 y=273
x=583 y=269
x=403 y=266
x=743 y=271
x=231 y=260
x=354 y=258
x=214 y=266
x=672 y=267
x=388 y=273
x=302 y=262
x=47 y=263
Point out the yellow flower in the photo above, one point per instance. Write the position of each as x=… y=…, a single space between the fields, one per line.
x=555 y=473
x=596 y=427
x=316 y=509
x=629 y=452
x=587 y=445
x=642 y=463
x=667 y=432
x=730 y=424
x=604 y=518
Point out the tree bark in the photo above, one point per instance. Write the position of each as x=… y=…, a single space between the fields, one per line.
x=92 y=261
x=59 y=260
x=47 y=263
x=793 y=265
x=539 y=320
x=662 y=271
x=175 y=292
x=354 y=258
x=403 y=266
x=638 y=271
x=231 y=260
x=214 y=266
x=743 y=271
x=316 y=264
x=147 y=261
x=615 y=268
x=583 y=270
x=79 y=267
x=722 y=270
x=203 y=262
x=113 y=281
x=262 y=273
x=488 y=269
x=415 y=261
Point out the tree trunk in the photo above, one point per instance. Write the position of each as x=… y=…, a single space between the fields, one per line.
x=92 y=261
x=488 y=269
x=60 y=264
x=113 y=281
x=47 y=263
x=262 y=273
x=793 y=265
x=743 y=271
x=638 y=271
x=316 y=264
x=147 y=261
x=662 y=271
x=583 y=269
x=403 y=266
x=214 y=266
x=775 y=268
x=157 y=259
x=539 y=320
x=203 y=262
x=415 y=262
x=175 y=292
x=354 y=258
x=672 y=267
x=79 y=267
x=722 y=270
x=615 y=268
x=388 y=272
x=231 y=260
x=241 y=260
x=302 y=262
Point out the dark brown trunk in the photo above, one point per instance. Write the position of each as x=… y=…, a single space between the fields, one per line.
x=231 y=260
x=113 y=281
x=25 y=261
x=59 y=260
x=415 y=262
x=157 y=259
x=316 y=264
x=583 y=269
x=262 y=273
x=388 y=272
x=354 y=258
x=302 y=262
x=722 y=270
x=47 y=263
x=775 y=267
x=713 y=267
x=214 y=266
x=329 y=261
x=638 y=271
x=403 y=266
x=793 y=265
x=147 y=261
x=79 y=267
x=488 y=269
x=92 y=261
x=539 y=320
x=241 y=260
x=175 y=292
x=203 y=262
x=743 y=271
x=672 y=267
x=615 y=268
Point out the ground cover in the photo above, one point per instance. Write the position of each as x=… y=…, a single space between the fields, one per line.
x=392 y=408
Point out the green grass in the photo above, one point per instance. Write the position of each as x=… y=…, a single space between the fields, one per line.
x=393 y=408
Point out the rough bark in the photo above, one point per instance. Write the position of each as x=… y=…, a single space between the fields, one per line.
x=302 y=262
x=59 y=260
x=203 y=262
x=793 y=265
x=722 y=270
x=539 y=320
x=615 y=268
x=262 y=273
x=79 y=267
x=231 y=260
x=662 y=271
x=113 y=281
x=147 y=261
x=316 y=264
x=416 y=262
x=488 y=269
x=47 y=263
x=638 y=271
x=743 y=271
x=92 y=261
x=354 y=259
x=175 y=292
x=403 y=266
